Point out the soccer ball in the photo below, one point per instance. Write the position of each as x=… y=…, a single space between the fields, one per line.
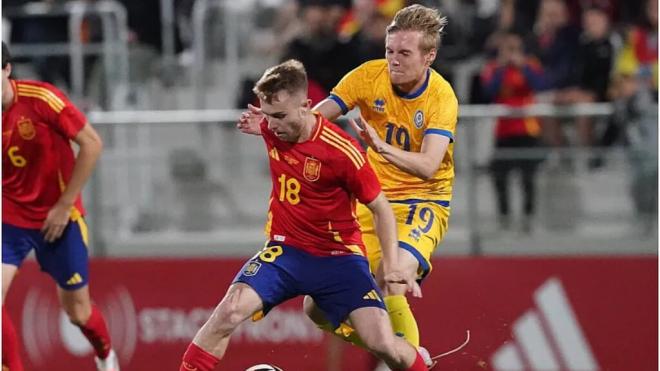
x=264 y=367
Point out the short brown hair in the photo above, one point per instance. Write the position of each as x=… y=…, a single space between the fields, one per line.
x=289 y=76
x=430 y=22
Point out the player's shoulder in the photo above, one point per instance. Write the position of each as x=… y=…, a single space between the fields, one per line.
x=342 y=147
x=41 y=92
x=373 y=68
x=439 y=87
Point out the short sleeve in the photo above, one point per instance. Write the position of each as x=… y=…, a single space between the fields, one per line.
x=362 y=182
x=348 y=91
x=444 y=114
x=58 y=111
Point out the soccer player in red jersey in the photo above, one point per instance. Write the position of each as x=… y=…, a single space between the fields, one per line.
x=41 y=204
x=315 y=246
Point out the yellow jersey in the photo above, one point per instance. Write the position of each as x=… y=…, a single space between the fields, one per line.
x=403 y=120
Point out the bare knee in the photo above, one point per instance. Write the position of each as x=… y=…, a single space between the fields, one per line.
x=383 y=346
x=78 y=313
x=225 y=319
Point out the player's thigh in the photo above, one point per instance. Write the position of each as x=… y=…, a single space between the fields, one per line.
x=16 y=245
x=66 y=259
x=340 y=285
x=239 y=303
x=421 y=227
x=271 y=273
x=8 y=273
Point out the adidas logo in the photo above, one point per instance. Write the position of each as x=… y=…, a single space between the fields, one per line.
x=274 y=154
x=547 y=337
x=74 y=279
x=372 y=295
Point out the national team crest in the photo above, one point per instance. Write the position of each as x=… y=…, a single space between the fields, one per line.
x=252 y=268
x=312 y=171
x=26 y=129
x=418 y=119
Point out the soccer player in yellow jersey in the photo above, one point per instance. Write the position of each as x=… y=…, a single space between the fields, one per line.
x=409 y=120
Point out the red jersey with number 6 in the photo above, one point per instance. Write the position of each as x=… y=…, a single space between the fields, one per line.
x=37 y=158
x=315 y=185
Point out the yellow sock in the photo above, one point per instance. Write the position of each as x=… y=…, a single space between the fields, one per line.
x=403 y=321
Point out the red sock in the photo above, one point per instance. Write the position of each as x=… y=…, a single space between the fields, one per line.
x=418 y=365
x=10 y=355
x=96 y=331
x=197 y=359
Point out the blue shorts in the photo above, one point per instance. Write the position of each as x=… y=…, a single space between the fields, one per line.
x=338 y=284
x=65 y=260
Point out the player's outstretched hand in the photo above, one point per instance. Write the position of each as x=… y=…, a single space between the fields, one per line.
x=368 y=134
x=400 y=278
x=56 y=221
x=249 y=121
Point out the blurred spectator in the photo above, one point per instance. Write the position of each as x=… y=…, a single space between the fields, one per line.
x=635 y=90
x=590 y=75
x=325 y=55
x=511 y=79
x=366 y=23
x=554 y=42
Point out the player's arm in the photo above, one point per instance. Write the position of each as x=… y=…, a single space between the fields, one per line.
x=422 y=164
x=90 y=149
x=385 y=225
x=329 y=109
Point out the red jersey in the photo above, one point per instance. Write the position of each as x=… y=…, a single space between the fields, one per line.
x=37 y=158
x=513 y=88
x=315 y=185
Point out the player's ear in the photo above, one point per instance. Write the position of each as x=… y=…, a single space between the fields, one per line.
x=430 y=56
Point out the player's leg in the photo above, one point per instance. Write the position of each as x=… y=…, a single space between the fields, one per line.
x=16 y=245
x=66 y=260
x=210 y=343
x=373 y=326
x=355 y=296
x=263 y=282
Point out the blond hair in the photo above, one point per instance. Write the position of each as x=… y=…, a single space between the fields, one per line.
x=430 y=22
x=289 y=76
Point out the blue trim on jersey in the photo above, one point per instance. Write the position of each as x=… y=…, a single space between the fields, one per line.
x=340 y=102
x=442 y=132
x=419 y=91
x=426 y=268
x=411 y=201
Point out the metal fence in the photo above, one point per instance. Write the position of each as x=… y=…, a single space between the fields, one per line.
x=188 y=183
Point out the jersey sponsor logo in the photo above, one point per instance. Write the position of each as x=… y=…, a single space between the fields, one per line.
x=252 y=268
x=26 y=129
x=312 y=171
x=418 y=119
x=279 y=238
x=290 y=160
x=372 y=295
x=379 y=105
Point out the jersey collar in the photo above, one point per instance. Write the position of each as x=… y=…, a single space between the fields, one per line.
x=417 y=92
